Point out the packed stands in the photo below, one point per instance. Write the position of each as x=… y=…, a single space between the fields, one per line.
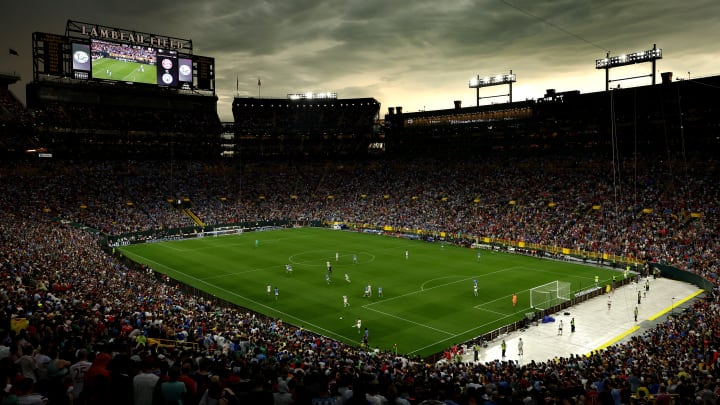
x=330 y=128
x=16 y=122
x=80 y=324
x=78 y=297
x=89 y=121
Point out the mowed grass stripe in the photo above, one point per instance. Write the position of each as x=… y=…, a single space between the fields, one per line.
x=428 y=298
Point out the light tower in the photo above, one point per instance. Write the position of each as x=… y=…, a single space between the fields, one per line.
x=478 y=82
x=609 y=62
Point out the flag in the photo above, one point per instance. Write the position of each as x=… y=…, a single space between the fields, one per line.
x=14 y=52
x=258 y=82
x=237 y=83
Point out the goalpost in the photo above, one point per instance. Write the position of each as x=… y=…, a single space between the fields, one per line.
x=548 y=295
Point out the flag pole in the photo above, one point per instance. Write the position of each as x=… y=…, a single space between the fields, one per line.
x=259 y=84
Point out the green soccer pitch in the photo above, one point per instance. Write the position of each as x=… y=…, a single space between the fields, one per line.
x=113 y=69
x=427 y=305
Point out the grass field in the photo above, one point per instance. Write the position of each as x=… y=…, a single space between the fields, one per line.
x=428 y=301
x=113 y=69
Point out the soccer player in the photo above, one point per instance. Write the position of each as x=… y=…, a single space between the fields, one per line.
x=514 y=299
x=367 y=291
x=358 y=324
x=354 y=259
x=327 y=279
x=277 y=293
x=257 y=243
x=337 y=256
x=345 y=301
x=478 y=255
x=347 y=278
x=269 y=289
x=475 y=290
x=407 y=255
x=380 y=294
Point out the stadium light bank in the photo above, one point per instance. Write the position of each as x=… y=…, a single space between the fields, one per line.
x=608 y=62
x=312 y=96
x=478 y=82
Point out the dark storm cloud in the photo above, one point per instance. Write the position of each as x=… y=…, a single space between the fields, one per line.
x=412 y=53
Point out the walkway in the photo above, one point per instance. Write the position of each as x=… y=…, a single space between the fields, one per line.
x=596 y=325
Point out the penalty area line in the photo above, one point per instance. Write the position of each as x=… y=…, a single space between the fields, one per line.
x=408 y=321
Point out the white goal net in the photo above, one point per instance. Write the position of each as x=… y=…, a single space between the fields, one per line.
x=549 y=295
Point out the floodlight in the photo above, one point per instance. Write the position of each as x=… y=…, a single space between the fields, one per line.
x=312 y=96
x=609 y=62
x=476 y=83
x=628 y=59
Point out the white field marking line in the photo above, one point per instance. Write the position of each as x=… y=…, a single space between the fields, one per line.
x=241 y=236
x=233 y=274
x=480 y=306
x=460 y=334
x=311 y=262
x=167 y=245
x=408 y=321
x=555 y=273
x=274 y=240
x=422 y=286
x=437 y=286
x=285 y=314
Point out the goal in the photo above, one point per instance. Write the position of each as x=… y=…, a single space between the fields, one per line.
x=549 y=295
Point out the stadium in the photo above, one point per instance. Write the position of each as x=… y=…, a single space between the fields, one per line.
x=315 y=250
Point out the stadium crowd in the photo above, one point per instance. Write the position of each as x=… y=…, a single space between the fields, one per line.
x=79 y=322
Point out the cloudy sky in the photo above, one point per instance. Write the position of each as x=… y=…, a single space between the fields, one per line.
x=417 y=54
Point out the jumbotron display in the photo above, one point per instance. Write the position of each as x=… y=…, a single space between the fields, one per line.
x=132 y=63
x=94 y=52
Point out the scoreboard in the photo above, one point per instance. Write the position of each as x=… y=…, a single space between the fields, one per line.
x=90 y=52
x=51 y=53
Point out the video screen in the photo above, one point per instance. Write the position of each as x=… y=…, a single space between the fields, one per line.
x=167 y=70
x=123 y=62
x=185 y=70
x=80 y=56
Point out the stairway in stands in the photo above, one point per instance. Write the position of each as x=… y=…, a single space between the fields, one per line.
x=194 y=217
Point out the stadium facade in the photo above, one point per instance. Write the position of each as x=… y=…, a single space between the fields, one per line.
x=668 y=117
